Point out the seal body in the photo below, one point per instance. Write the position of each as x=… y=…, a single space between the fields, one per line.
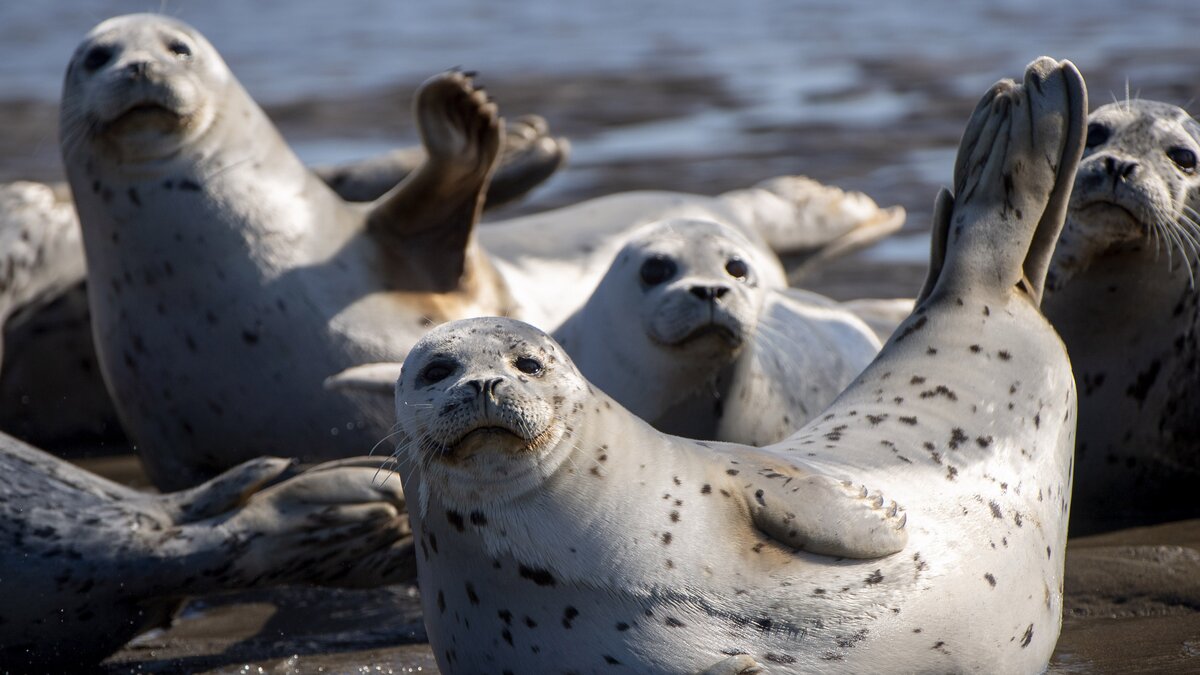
x=221 y=267
x=1123 y=296
x=87 y=563
x=522 y=474
x=691 y=329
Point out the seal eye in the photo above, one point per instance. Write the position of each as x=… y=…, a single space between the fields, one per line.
x=180 y=49
x=97 y=57
x=737 y=268
x=657 y=270
x=1185 y=159
x=529 y=365
x=436 y=372
x=1096 y=134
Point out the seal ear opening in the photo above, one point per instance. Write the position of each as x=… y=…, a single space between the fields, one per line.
x=943 y=208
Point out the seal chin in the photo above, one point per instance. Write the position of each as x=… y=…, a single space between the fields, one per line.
x=716 y=334
x=1110 y=214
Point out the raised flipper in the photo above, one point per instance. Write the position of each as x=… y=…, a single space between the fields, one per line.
x=1013 y=176
x=740 y=664
x=530 y=155
x=376 y=378
x=813 y=512
x=437 y=207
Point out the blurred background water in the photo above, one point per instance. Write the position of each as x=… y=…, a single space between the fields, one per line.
x=700 y=96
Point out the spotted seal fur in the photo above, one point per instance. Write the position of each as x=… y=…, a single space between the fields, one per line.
x=557 y=531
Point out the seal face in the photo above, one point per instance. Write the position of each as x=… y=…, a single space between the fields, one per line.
x=144 y=89
x=691 y=330
x=487 y=408
x=1123 y=296
x=617 y=546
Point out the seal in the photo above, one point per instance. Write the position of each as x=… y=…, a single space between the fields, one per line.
x=521 y=475
x=209 y=245
x=1122 y=294
x=691 y=330
x=111 y=561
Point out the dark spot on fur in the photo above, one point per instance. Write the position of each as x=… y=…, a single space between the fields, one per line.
x=540 y=577
x=1028 y=637
x=569 y=615
x=875 y=577
x=189 y=185
x=672 y=622
x=478 y=519
x=990 y=579
x=455 y=518
x=910 y=421
x=957 y=437
x=471 y=595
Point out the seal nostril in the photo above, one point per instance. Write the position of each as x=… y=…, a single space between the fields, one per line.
x=491 y=385
x=1110 y=165
x=137 y=69
x=1129 y=169
x=708 y=292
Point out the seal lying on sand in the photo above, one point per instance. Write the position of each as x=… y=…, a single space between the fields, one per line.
x=692 y=330
x=1122 y=292
x=227 y=282
x=87 y=564
x=556 y=531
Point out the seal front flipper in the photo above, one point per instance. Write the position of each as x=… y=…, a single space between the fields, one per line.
x=437 y=207
x=816 y=513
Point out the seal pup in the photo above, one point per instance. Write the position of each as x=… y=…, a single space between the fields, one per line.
x=87 y=563
x=213 y=253
x=691 y=330
x=1122 y=293
x=520 y=475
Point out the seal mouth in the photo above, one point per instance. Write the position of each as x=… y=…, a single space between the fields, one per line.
x=1111 y=213
x=709 y=332
x=489 y=438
